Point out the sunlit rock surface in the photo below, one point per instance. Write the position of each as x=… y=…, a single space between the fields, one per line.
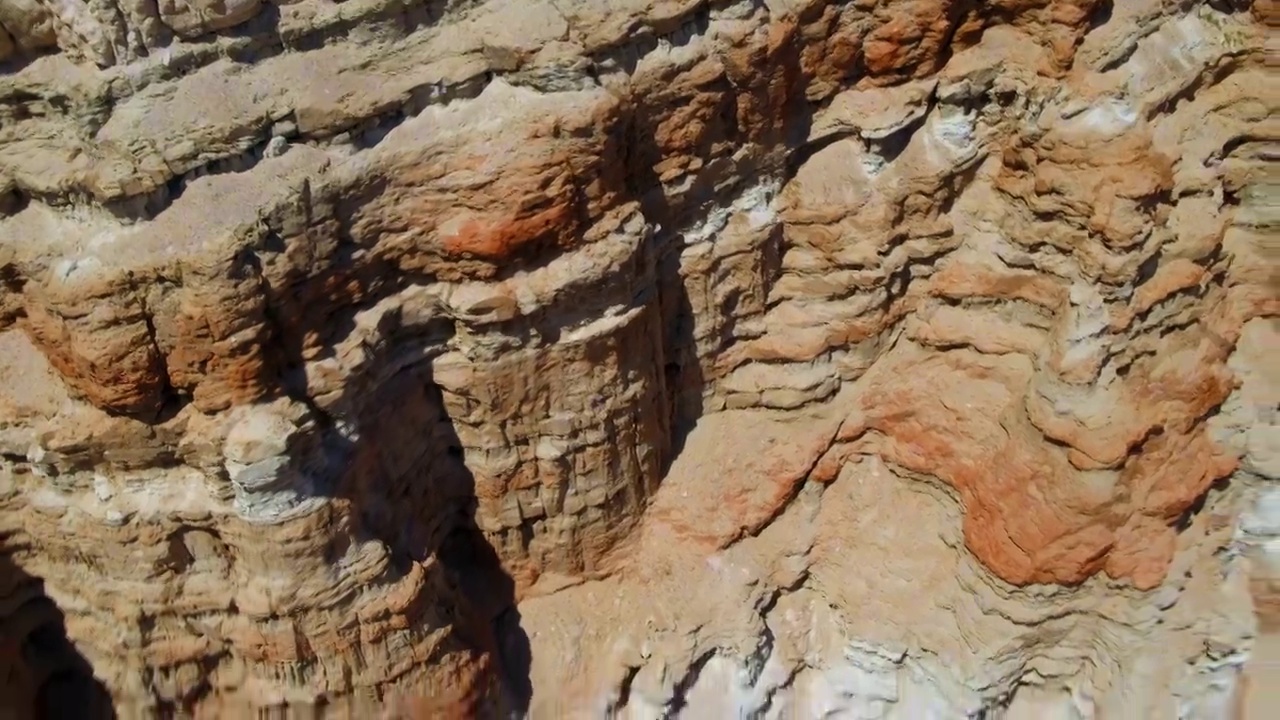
x=638 y=359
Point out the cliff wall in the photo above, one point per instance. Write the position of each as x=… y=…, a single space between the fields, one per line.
x=640 y=358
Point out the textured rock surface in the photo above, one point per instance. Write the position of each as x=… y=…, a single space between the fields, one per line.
x=640 y=359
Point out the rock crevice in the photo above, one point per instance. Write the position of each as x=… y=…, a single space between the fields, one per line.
x=649 y=358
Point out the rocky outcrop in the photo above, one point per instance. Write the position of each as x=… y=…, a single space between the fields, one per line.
x=639 y=359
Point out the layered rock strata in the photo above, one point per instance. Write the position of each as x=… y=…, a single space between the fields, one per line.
x=636 y=359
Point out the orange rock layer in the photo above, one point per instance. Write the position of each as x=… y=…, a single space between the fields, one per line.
x=670 y=357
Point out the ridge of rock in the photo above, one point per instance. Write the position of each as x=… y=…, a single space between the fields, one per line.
x=642 y=358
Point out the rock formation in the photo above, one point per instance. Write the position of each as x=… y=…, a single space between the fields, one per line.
x=640 y=358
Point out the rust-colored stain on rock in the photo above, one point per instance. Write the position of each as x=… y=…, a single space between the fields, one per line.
x=646 y=358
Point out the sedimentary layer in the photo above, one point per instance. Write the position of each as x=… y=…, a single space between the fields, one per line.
x=648 y=358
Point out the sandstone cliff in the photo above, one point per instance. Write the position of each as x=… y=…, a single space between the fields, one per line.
x=636 y=358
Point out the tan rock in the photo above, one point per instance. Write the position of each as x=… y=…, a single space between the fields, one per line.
x=29 y=23
x=634 y=359
x=192 y=18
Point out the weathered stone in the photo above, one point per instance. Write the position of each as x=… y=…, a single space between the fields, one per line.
x=635 y=359
x=192 y=18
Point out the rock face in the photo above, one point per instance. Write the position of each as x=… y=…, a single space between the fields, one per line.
x=641 y=358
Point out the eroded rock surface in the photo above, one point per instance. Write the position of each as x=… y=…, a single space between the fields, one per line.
x=648 y=358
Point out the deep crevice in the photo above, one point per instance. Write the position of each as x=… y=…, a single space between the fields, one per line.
x=1185 y=520
x=47 y=676
x=679 y=694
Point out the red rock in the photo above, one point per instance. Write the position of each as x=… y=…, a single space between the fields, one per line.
x=564 y=359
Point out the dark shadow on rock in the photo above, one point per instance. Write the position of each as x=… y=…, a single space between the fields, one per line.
x=388 y=447
x=681 y=373
x=42 y=674
x=491 y=593
x=717 y=182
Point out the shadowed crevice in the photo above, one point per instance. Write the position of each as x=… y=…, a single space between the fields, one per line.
x=42 y=674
